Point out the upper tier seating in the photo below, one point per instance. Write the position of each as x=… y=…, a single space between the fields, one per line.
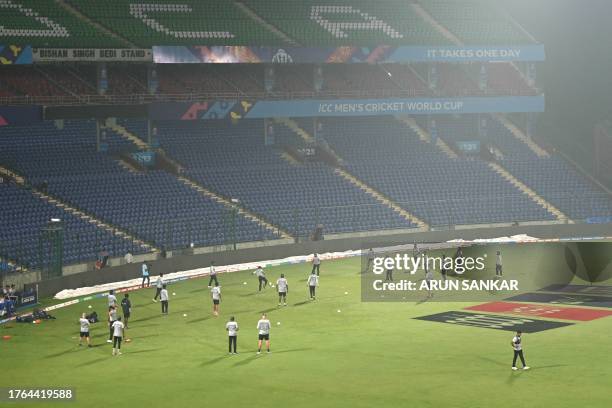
x=44 y=23
x=476 y=22
x=178 y=22
x=348 y=22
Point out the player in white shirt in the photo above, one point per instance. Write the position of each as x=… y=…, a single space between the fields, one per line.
x=159 y=286
x=517 y=346
x=163 y=296
x=261 y=277
x=118 y=330
x=232 y=331
x=263 y=327
x=112 y=299
x=283 y=288
x=215 y=294
x=112 y=317
x=312 y=282
x=316 y=263
x=213 y=275
x=84 y=334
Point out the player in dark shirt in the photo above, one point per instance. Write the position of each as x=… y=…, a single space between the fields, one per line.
x=126 y=305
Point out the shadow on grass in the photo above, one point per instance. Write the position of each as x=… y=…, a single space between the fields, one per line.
x=271 y=309
x=254 y=357
x=61 y=353
x=247 y=360
x=201 y=319
x=96 y=361
x=142 y=351
x=302 y=303
x=295 y=350
x=213 y=361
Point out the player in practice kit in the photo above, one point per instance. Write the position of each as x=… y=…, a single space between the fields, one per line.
x=283 y=288
x=517 y=346
x=263 y=327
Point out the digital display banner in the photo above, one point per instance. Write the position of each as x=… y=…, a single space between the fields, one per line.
x=15 y=54
x=251 y=109
x=319 y=55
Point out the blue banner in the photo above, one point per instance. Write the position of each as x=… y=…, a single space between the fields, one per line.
x=11 y=115
x=15 y=54
x=251 y=109
x=318 y=55
x=419 y=106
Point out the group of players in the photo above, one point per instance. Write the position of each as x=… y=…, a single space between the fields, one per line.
x=118 y=325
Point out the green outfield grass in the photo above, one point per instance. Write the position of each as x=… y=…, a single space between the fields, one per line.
x=333 y=352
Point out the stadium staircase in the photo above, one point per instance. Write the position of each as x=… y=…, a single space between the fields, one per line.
x=71 y=10
x=289 y=158
x=424 y=136
x=445 y=32
x=381 y=198
x=253 y=15
x=518 y=134
x=239 y=209
x=128 y=167
x=127 y=135
x=307 y=137
x=11 y=175
x=529 y=192
x=76 y=212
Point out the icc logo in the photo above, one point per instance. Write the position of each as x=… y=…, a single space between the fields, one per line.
x=281 y=57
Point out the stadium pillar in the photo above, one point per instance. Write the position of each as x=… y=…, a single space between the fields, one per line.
x=150 y=130
x=152 y=80
x=102 y=78
x=269 y=78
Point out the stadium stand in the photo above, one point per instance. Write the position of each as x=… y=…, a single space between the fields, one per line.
x=476 y=22
x=84 y=23
x=15 y=81
x=24 y=215
x=355 y=22
x=169 y=213
x=419 y=177
x=43 y=23
x=233 y=161
x=179 y=22
x=552 y=177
